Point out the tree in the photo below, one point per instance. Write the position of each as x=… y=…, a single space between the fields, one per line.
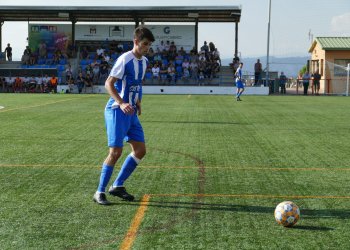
x=303 y=70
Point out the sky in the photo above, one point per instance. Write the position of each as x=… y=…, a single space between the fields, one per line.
x=293 y=23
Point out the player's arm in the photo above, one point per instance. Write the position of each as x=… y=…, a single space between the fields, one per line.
x=109 y=85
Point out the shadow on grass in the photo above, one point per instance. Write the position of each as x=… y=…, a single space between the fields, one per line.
x=312 y=228
x=197 y=122
x=305 y=213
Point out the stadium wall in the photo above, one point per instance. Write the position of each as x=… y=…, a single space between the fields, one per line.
x=181 y=90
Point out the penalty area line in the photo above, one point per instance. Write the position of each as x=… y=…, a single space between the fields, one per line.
x=135 y=224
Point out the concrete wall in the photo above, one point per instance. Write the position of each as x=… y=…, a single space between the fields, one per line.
x=182 y=90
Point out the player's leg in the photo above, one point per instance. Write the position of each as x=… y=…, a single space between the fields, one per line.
x=128 y=167
x=115 y=126
x=106 y=173
x=241 y=90
x=135 y=137
x=237 y=92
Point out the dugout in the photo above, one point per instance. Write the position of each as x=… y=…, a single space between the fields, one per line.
x=135 y=14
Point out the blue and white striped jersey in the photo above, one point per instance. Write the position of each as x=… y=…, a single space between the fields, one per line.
x=238 y=74
x=130 y=71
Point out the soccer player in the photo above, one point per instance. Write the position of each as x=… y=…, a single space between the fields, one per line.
x=239 y=83
x=121 y=116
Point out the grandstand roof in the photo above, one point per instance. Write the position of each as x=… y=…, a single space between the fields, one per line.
x=121 y=13
x=331 y=43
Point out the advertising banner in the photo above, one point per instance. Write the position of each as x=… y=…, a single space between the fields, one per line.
x=54 y=35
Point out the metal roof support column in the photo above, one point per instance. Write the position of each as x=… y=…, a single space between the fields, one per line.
x=236 y=40
x=73 y=20
x=137 y=22
x=1 y=23
x=196 y=35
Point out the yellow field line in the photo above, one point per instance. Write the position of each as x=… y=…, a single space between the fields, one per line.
x=254 y=196
x=39 y=105
x=135 y=224
x=183 y=167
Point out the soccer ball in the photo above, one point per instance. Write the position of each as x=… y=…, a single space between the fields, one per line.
x=287 y=213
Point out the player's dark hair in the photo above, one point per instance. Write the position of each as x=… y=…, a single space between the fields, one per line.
x=142 y=32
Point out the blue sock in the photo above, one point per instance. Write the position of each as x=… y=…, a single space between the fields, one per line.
x=128 y=167
x=106 y=174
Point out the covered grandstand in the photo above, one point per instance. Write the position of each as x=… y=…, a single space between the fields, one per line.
x=115 y=14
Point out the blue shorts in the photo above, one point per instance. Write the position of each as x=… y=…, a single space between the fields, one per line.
x=122 y=127
x=239 y=84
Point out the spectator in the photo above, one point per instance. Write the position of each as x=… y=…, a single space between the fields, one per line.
x=283 y=81
x=25 y=80
x=202 y=64
x=163 y=72
x=88 y=70
x=182 y=52
x=9 y=84
x=42 y=50
x=157 y=58
x=70 y=85
x=215 y=68
x=2 y=84
x=201 y=56
x=306 y=82
x=172 y=51
x=193 y=50
x=185 y=64
x=205 y=47
x=155 y=72
x=33 y=58
x=69 y=73
x=257 y=72
x=201 y=78
x=8 y=52
x=208 y=70
x=31 y=84
x=216 y=55
x=211 y=48
x=316 y=82
x=194 y=70
x=39 y=84
x=80 y=81
x=106 y=57
x=26 y=56
x=56 y=57
x=193 y=55
x=161 y=46
x=53 y=84
x=171 y=73
x=18 y=85
x=99 y=52
x=95 y=74
x=84 y=53
x=167 y=46
x=150 y=55
x=186 y=74
x=103 y=72
x=46 y=84
x=89 y=82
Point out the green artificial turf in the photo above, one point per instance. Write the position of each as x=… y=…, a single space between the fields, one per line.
x=243 y=157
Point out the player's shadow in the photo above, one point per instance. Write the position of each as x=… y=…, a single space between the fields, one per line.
x=197 y=122
x=306 y=214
